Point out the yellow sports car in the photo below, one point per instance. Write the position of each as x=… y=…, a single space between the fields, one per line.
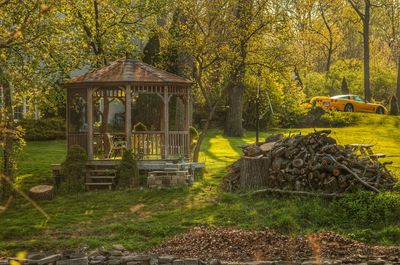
x=349 y=103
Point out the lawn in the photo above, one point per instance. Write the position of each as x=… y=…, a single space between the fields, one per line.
x=142 y=218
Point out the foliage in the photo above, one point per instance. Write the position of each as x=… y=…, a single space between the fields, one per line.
x=73 y=169
x=339 y=119
x=128 y=173
x=17 y=148
x=367 y=209
x=43 y=129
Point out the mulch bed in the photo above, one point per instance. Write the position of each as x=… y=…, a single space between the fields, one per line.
x=231 y=244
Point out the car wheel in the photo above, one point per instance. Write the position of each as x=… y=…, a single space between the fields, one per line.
x=380 y=110
x=348 y=108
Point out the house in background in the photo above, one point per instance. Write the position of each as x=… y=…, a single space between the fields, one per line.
x=23 y=107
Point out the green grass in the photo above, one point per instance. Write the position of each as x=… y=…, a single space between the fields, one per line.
x=142 y=218
x=34 y=162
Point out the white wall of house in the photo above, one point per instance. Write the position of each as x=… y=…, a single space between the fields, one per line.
x=22 y=110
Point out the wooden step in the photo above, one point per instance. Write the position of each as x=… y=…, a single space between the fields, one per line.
x=103 y=170
x=97 y=184
x=102 y=177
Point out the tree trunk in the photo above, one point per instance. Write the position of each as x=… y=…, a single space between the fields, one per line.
x=203 y=134
x=254 y=172
x=234 y=116
x=8 y=137
x=367 y=89
x=398 y=81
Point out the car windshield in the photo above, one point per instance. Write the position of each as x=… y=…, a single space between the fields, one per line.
x=358 y=98
x=341 y=97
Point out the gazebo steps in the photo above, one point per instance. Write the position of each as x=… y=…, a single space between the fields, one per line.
x=102 y=177
x=109 y=185
x=97 y=178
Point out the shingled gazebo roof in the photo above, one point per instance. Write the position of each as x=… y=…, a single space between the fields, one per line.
x=126 y=71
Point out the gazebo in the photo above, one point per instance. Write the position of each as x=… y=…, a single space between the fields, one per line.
x=104 y=107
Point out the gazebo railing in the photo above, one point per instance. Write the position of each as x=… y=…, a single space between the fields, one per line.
x=77 y=138
x=148 y=144
x=178 y=144
x=151 y=144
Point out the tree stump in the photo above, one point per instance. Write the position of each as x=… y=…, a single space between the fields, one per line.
x=254 y=172
x=41 y=192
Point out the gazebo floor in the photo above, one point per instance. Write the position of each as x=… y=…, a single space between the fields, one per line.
x=148 y=164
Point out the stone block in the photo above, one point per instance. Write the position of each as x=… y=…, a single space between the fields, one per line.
x=115 y=252
x=114 y=262
x=49 y=259
x=78 y=261
x=165 y=259
x=178 y=262
x=260 y=263
x=135 y=258
x=191 y=261
x=376 y=262
x=36 y=256
x=134 y=263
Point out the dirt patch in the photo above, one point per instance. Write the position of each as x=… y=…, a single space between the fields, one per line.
x=137 y=207
x=232 y=244
x=139 y=210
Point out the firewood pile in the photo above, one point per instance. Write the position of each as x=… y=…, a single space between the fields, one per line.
x=312 y=163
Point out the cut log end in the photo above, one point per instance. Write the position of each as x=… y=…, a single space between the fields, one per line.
x=42 y=192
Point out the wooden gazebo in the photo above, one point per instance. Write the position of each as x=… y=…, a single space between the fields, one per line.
x=102 y=104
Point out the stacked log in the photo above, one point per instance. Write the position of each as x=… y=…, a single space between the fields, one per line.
x=312 y=163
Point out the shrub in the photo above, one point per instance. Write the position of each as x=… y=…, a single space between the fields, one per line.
x=128 y=173
x=73 y=169
x=339 y=119
x=367 y=209
x=43 y=129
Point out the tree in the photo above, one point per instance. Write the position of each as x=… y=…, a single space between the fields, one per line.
x=23 y=26
x=330 y=12
x=204 y=38
x=363 y=10
x=250 y=20
x=345 y=88
x=391 y=35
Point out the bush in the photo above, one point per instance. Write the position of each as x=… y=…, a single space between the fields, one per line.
x=43 y=129
x=128 y=173
x=318 y=117
x=368 y=210
x=339 y=119
x=73 y=169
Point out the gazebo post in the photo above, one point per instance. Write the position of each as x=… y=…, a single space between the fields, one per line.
x=89 y=112
x=166 y=122
x=128 y=117
x=187 y=121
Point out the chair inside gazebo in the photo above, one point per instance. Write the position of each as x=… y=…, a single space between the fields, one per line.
x=129 y=105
